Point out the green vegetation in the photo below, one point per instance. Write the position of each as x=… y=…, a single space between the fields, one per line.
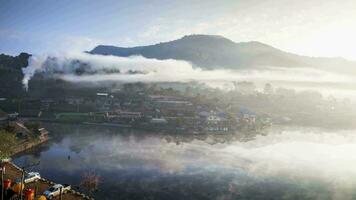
x=11 y=74
x=33 y=126
x=14 y=137
x=8 y=141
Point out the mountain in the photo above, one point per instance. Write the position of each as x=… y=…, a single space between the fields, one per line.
x=213 y=52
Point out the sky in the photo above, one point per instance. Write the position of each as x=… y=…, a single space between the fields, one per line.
x=313 y=27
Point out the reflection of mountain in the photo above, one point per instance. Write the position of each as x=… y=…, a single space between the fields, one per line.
x=137 y=166
x=212 y=52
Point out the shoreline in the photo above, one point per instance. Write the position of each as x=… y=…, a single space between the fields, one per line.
x=148 y=128
x=26 y=146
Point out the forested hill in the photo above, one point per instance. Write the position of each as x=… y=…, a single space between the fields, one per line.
x=11 y=74
x=212 y=52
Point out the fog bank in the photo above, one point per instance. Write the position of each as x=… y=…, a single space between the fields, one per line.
x=82 y=67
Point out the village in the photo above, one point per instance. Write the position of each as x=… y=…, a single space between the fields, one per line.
x=170 y=112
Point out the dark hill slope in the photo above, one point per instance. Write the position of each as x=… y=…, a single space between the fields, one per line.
x=211 y=52
x=11 y=74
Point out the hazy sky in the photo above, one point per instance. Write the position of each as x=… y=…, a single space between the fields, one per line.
x=309 y=27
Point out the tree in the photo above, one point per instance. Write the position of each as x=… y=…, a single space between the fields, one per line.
x=268 y=89
x=90 y=182
x=188 y=91
x=8 y=141
x=246 y=87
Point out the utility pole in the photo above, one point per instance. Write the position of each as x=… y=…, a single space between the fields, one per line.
x=60 y=193
x=19 y=106
x=2 y=183
x=22 y=183
x=36 y=190
x=23 y=178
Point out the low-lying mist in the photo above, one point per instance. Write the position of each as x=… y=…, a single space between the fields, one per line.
x=295 y=155
x=82 y=67
x=308 y=153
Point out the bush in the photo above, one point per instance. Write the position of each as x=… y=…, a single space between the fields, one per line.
x=32 y=125
x=8 y=141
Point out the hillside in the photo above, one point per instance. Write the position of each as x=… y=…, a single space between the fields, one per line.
x=11 y=74
x=211 y=52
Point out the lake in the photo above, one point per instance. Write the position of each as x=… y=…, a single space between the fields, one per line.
x=288 y=163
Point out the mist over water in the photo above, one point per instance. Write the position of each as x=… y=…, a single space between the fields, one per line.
x=298 y=161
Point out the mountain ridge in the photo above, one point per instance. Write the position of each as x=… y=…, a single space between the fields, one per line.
x=217 y=52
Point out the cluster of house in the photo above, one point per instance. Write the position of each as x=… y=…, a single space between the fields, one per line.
x=160 y=111
x=167 y=112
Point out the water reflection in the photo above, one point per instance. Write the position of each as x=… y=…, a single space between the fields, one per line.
x=136 y=165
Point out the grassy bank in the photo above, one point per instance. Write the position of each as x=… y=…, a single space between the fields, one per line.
x=15 y=140
x=8 y=142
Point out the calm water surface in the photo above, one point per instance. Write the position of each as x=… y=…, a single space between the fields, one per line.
x=136 y=165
